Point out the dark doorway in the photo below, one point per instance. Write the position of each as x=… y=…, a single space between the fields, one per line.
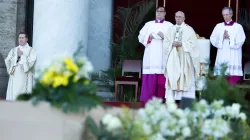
x=29 y=20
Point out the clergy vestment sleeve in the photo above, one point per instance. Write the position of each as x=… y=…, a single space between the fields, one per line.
x=189 y=44
x=28 y=61
x=144 y=35
x=216 y=37
x=239 y=39
x=10 y=61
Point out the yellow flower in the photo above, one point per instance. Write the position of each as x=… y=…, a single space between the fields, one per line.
x=60 y=80
x=47 y=78
x=71 y=65
x=126 y=109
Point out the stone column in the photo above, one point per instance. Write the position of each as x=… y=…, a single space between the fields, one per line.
x=100 y=28
x=59 y=27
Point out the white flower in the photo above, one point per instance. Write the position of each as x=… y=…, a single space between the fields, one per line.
x=186 y=132
x=180 y=113
x=147 y=129
x=106 y=119
x=169 y=127
x=233 y=111
x=171 y=107
x=142 y=114
x=243 y=116
x=217 y=108
x=155 y=101
x=215 y=127
x=112 y=123
x=202 y=108
x=149 y=109
x=157 y=136
x=217 y=104
x=86 y=68
x=183 y=122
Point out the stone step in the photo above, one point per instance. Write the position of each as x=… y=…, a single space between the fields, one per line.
x=106 y=96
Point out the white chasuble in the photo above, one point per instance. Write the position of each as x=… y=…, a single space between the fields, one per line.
x=20 y=71
x=182 y=63
x=228 y=50
x=153 y=59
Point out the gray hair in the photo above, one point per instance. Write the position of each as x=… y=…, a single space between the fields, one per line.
x=229 y=9
x=181 y=12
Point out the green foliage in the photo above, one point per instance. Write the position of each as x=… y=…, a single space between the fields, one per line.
x=239 y=130
x=218 y=88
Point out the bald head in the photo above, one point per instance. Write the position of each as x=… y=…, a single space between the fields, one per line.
x=179 y=17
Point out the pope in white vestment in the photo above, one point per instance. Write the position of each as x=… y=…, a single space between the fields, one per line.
x=182 y=60
x=19 y=64
x=151 y=36
x=228 y=37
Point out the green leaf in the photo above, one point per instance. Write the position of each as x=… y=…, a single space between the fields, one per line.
x=93 y=127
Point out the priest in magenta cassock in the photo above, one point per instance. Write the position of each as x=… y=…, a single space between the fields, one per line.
x=19 y=64
x=151 y=36
x=182 y=60
x=228 y=37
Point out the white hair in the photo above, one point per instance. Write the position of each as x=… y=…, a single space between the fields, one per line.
x=229 y=9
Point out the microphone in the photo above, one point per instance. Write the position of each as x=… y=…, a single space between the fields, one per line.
x=18 y=59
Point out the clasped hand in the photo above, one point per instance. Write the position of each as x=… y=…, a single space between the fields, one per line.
x=177 y=44
x=159 y=34
x=226 y=35
x=19 y=52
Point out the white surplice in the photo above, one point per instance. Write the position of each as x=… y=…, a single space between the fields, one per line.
x=20 y=73
x=182 y=63
x=153 y=59
x=228 y=50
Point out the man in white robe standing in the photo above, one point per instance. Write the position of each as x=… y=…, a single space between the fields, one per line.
x=19 y=64
x=151 y=36
x=228 y=37
x=182 y=60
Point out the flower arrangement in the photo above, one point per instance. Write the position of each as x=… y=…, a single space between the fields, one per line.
x=66 y=84
x=159 y=121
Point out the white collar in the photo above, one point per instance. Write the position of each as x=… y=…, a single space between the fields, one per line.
x=183 y=23
x=26 y=45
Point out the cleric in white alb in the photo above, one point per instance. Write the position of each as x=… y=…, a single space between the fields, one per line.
x=151 y=36
x=228 y=37
x=19 y=64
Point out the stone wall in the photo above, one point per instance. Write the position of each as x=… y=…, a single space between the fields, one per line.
x=12 y=21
